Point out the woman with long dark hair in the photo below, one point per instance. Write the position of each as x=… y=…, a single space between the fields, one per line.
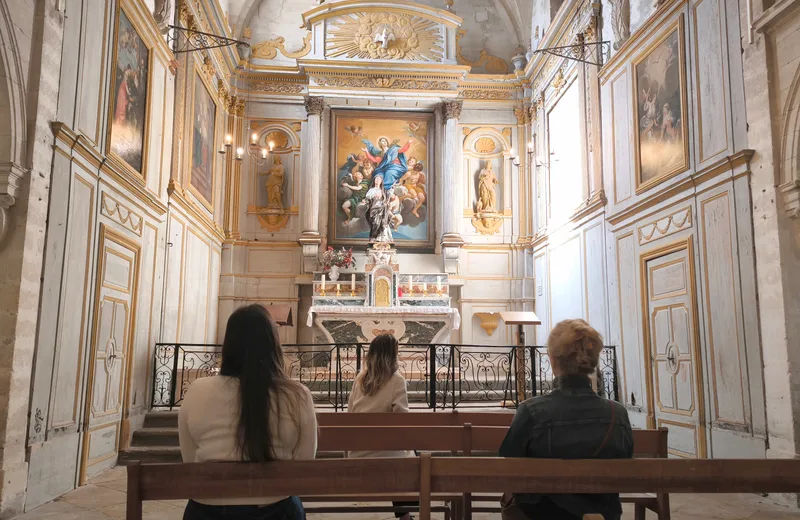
x=250 y=412
x=380 y=388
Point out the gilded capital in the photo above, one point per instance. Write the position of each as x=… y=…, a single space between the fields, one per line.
x=314 y=105
x=452 y=109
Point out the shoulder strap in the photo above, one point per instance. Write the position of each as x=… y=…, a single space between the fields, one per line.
x=608 y=432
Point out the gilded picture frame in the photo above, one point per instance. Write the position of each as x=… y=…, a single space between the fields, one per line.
x=392 y=144
x=202 y=188
x=661 y=137
x=128 y=133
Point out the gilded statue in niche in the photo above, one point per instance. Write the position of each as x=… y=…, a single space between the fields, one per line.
x=274 y=185
x=487 y=196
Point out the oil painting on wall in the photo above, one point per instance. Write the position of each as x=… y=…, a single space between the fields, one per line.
x=389 y=150
x=129 y=106
x=205 y=112
x=661 y=108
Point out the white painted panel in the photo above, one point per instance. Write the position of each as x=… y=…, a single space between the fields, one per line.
x=194 y=311
x=720 y=293
x=682 y=440
x=630 y=341
x=272 y=261
x=158 y=114
x=668 y=280
x=541 y=293
x=487 y=263
x=72 y=337
x=566 y=179
x=90 y=77
x=103 y=442
x=174 y=279
x=117 y=272
x=711 y=94
x=595 y=279
x=213 y=302
x=145 y=315
x=566 y=291
x=622 y=142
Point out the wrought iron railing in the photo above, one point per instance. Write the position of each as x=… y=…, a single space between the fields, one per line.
x=439 y=376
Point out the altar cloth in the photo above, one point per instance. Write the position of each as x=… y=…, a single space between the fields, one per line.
x=453 y=314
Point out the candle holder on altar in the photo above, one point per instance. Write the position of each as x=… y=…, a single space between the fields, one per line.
x=338 y=291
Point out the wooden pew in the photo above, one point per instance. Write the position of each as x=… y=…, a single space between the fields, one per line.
x=454 y=418
x=427 y=476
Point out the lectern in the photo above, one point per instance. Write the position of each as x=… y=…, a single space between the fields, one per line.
x=520 y=319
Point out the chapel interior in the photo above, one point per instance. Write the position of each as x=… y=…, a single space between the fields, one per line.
x=424 y=168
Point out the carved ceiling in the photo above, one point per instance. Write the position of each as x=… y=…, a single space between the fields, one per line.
x=490 y=34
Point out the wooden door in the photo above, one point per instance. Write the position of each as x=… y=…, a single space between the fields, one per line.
x=675 y=384
x=110 y=351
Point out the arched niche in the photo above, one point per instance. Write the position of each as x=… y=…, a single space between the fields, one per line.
x=789 y=171
x=287 y=146
x=484 y=145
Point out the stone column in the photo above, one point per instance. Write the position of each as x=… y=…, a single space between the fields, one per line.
x=451 y=238
x=310 y=238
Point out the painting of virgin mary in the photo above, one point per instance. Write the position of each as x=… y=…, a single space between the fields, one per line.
x=396 y=148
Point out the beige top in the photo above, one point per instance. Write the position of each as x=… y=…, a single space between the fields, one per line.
x=391 y=398
x=209 y=417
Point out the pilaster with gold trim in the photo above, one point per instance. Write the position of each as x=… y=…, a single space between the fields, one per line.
x=310 y=238
x=451 y=237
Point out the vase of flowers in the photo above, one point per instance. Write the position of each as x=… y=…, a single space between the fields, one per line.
x=333 y=261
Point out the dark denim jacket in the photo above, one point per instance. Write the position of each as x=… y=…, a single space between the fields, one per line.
x=569 y=423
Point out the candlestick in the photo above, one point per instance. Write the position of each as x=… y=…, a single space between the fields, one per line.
x=254 y=138
x=271 y=145
x=410 y=284
x=425 y=288
x=229 y=139
x=439 y=284
x=323 y=283
x=338 y=290
x=263 y=153
x=239 y=153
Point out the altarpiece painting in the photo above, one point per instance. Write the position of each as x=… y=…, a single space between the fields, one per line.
x=389 y=152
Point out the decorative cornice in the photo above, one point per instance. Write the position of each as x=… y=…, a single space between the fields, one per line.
x=380 y=82
x=314 y=105
x=268 y=50
x=277 y=87
x=669 y=225
x=452 y=109
x=10 y=176
x=475 y=93
x=123 y=215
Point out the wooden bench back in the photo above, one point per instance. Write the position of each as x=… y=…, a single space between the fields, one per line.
x=415 y=419
x=427 y=475
x=466 y=439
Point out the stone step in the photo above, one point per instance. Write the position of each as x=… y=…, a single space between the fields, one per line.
x=150 y=455
x=155 y=437
x=161 y=420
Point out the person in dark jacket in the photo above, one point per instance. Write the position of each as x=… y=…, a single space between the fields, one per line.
x=572 y=422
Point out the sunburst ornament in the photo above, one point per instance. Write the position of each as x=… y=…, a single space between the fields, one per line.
x=385 y=36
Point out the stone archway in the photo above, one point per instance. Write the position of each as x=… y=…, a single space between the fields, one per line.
x=789 y=171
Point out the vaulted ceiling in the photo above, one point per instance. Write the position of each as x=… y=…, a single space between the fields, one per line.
x=495 y=26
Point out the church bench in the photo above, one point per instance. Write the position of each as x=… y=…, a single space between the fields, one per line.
x=454 y=418
x=427 y=476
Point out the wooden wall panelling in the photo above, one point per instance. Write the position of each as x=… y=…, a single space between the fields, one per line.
x=213 y=296
x=92 y=74
x=630 y=333
x=158 y=110
x=147 y=313
x=723 y=314
x=621 y=141
x=595 y=281
x=542 y=294
x=196 y=276
x=710 y=70
x=173 y=291
x=566 y=285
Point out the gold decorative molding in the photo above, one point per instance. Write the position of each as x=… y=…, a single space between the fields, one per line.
x=506 y=133
x=485 y=145
x=559 y=81
x=492 y=64
x=467 y=130
x=380 y=82
x=486 y=224
x=208 y=67
x=121 y=214
x=669 y=225
x=452 y=109
x=268 y=50
x=384 y=36
x=277 y=87
x=486 y=94
x=273 y=222
x=489 y=321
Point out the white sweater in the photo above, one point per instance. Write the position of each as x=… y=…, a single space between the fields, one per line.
x=209 y=417
x=391 y=397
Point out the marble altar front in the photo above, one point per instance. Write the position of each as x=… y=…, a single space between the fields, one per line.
x=358 y=306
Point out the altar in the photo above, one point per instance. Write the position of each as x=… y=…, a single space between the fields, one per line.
x=357 y=306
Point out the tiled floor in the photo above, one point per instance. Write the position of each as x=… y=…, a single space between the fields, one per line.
x=104 y=498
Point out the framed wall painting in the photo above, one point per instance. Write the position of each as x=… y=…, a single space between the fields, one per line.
x=660 y=133
x=204 y=117
x=398 y=148
x=129 y=110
